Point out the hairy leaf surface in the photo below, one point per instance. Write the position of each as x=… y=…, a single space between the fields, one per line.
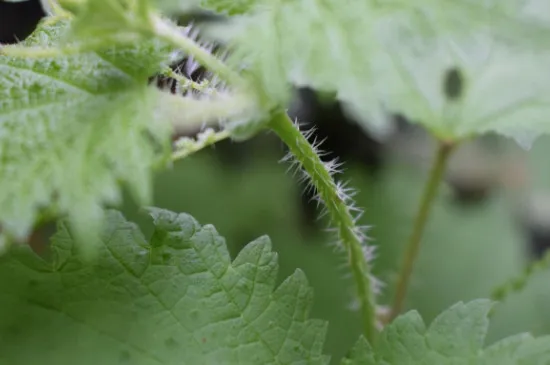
x=455 y=337
x=175 y=299
x=231 y=7
x=73 y=127
x=106 y=17
x=394 y=57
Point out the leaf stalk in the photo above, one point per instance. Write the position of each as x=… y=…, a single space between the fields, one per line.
x=435 y=177
x=519 y=282
x=188 y=146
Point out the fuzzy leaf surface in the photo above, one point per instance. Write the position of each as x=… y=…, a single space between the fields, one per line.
x=393 y=57
x=455 y=337
x=174 y=299
x=230 y=7
x=73 y=127
x=105 y=17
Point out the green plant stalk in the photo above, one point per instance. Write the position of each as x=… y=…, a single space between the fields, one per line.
x=518 y=283
x=339 y=213
x=202 y=142
x=185 y=113
x=184 y=82
x=170 y=34
x=435 y=177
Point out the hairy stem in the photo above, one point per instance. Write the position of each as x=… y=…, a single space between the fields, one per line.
x=184 y=82
x=187 y=146
x=339 y=212
x=413 y=247
x=518 y=283
x=189 y=113
x=172 y=35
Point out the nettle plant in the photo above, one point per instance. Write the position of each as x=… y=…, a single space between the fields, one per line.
x=79 y=117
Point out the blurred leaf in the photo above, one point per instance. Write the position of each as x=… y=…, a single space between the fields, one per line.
x=176 y=7
x=456 y=337
x=395 y=57
x=73 y=127
x=459 y=87
x=105 y=18
x=361 y=353
x=231 y=7
x=323 y=44
x=176 y=299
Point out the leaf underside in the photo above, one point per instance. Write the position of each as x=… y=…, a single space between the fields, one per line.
x=394 y=58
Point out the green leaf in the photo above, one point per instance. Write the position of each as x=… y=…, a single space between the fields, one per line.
x=104 y=18
x=519 y=349
x=231 y=7
x=175 y=299
x=461 y=329
x=73 y=127
x=460 y=86
x=455 y=337
x=361 y=353
x=324 y=44
x=395 y=58
x=403 y=340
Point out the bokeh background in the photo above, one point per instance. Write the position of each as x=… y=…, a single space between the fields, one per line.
x=490 y=220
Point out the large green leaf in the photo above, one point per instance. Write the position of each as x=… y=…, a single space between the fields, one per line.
x=395 y=57
x=175 y=299
x=455 y=337
x=73 y=127
x=320 y=43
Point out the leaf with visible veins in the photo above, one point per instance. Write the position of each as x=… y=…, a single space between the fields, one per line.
x=174 y=299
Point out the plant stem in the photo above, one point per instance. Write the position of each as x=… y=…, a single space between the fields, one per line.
x=518 y=283
x=187 y=146
x=171 y=34
x=339 y=212
x=184 y=82
x=189 y=113
x=430 y=191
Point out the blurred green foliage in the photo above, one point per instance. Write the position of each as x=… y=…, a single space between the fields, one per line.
x=465 y=254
